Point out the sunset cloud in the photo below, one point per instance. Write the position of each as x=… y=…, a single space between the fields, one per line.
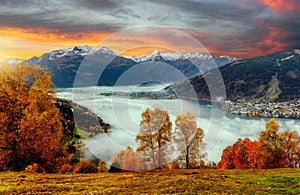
x=281 y=6
x=226 y=27
x=25 y=43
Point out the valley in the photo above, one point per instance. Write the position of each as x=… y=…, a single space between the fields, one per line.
x=113 y=88
x=150 y=97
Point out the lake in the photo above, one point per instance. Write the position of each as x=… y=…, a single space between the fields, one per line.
x=124 y=115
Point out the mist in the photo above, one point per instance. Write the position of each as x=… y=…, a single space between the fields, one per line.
x=124 y=115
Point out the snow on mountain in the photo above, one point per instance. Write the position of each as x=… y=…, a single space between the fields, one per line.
x=155 y=56
x=173 y=56
x=105 y=51
x=64 y=63
x=79 y=50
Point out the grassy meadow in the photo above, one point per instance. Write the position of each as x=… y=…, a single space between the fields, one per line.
x=276 y=181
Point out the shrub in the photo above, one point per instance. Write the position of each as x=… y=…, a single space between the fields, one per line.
x=35 y=168
x=174 y=165
x=85 y=166
x=58 y=163
x=102 y=167
x=66 y=168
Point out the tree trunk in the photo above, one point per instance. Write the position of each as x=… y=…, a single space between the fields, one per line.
x=187 y=160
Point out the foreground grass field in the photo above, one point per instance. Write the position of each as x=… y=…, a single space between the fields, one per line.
x=277 y=181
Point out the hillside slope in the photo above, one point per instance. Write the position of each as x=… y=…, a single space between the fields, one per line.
x=271 y=77
x=77 y=117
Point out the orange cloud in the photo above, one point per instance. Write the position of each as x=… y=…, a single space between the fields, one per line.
x=144 y=50
x=280 y=6
x=25 y=43
x=145 y=41
x=270 y=41
x=22 y=43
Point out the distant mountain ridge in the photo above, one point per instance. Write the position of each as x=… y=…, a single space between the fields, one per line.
x=90 y=63
x=270 y=77
x=173 y=56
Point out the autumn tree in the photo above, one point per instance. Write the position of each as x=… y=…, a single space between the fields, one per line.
x=189 y=140
x=154 y=136
x=227 y=159
x=291 y=145
x=240 y=158
x=128 y=160
x=102 y=166
x=30 y=126
x=270 y=153
x=272 y=150
x=241 y=155
x=252 y=147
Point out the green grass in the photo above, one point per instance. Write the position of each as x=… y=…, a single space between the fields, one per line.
x=277 y=181
x=82 y=133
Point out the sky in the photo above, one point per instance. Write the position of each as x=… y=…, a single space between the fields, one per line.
x=237 y=28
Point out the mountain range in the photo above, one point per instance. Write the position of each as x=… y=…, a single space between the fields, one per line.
x=270 y=77
x=85 y=66
x=273 y=76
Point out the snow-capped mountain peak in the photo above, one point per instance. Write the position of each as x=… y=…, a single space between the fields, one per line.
x=83 y=49
x=106 y=51
x=155 y=52
x=156 y=56
x=77 y=50
x=173 y=56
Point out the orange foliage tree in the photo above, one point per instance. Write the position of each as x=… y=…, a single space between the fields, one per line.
x=189 y=140
x=240 y=158
x=227 y=159
x=30 y=126
x=154 y=136
x=272 y=150
x=241 y=155
x=252 y=147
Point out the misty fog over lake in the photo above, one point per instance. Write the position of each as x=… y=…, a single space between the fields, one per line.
x=124 y=114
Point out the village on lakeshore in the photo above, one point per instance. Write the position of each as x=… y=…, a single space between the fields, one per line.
x=262 y=108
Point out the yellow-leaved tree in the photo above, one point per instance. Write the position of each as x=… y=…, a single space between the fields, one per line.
x=189 y=140
x=270 y=153
x=154 y=137
x=30 y=126
x=291 y=145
